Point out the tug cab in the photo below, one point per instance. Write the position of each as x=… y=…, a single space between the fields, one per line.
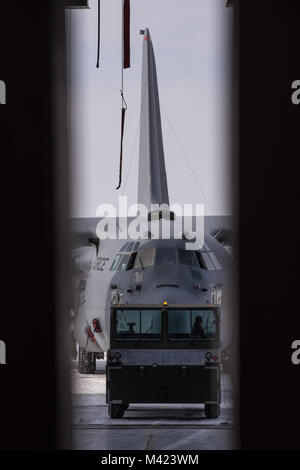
x=164 y=354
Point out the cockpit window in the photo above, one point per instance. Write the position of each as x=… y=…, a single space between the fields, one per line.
x=130 y=246
x=192 y=325
x=136 y=245
x=144 y=258
x=188 y=258
x=165 y=256
x=124 y=247
x=136 y=325
x=123 y=264
x=132 y=258
x=116 y=262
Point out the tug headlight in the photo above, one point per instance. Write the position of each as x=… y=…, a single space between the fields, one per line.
x=117 y=356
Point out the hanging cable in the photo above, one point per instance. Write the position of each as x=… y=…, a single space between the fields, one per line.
x=98 y=47
x=123 y=110
x=125 y=64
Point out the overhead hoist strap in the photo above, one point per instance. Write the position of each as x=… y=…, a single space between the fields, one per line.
x=125 y=65
x=98 y=46
x=126 y=34
x=123 y=111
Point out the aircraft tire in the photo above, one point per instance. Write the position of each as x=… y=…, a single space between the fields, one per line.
x=74 y=351
x=212 y=411
x=116 y=411
x=86 y=362
x=91 y=363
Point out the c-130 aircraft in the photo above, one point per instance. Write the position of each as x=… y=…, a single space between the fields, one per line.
x=147 y=271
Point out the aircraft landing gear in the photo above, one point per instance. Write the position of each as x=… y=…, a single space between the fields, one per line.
x=74 y=350
x=86 y=362
x=116 y=411
x=212 y=410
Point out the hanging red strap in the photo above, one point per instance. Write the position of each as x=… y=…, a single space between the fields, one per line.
x=125 y=65
x=121 y=144
x=126 y=34
x=98 y=45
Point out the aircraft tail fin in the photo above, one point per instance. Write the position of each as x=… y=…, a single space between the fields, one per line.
x=152 y=184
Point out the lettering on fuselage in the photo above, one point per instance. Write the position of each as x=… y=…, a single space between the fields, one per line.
x=2 y=352
x=100 y=262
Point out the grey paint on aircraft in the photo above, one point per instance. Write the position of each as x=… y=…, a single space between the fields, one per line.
x=152 y=187
x=175 y=283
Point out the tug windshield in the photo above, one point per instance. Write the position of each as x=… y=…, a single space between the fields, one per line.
x=138 y=325
x=192 y=325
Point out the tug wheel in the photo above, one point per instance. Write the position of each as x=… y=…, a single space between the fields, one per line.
x=212 y=410
x=116 y=411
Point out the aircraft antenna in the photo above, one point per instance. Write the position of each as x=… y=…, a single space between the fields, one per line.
x=187 y=160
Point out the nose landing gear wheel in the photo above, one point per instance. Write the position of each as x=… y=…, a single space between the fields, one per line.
x=116 y=411
x=212 y=410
